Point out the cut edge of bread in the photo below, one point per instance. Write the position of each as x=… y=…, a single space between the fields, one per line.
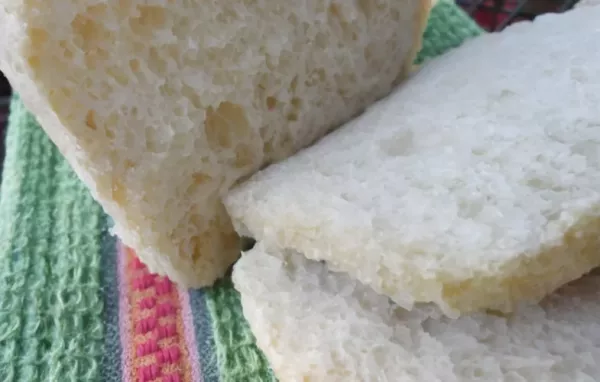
x=526 y=277
x=314 y=324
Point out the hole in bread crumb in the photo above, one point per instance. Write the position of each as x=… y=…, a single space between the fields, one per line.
x=87 y=34
x=178 y=111
x=90 y=120
x=34 y=62
x=294 y=84
x=215 y=127
x=201 y=178
x=96 y=11
x=342 y=82
x=292 y=117
x=155 y=62
x=134 y=65
x=321 y=40
x=296 y=102
x=118 y=75
x=497 y=313
x=244 y=156
x=368 y=53
x=216 y=232
x=150 y=18
x=166 y=90
x=365 y=6
x=196 y=245
x=268 y=148
x=336 y=16
x=93 y=56
x=67 y=53
x=109 y=122
x=226 y=16
x=119 y=193
x=286 y=143
x=271 y=103
x=66 y=91
x=334 y=10
x=220 y=125
x=38 y=37
x=191 y=95
x=315 y=77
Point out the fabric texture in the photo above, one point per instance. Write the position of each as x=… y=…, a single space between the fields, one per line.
x=76 y=305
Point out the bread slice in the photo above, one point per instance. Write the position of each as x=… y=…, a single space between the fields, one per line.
x=475 y=185
x=315 y=325
x=160 y=106
x=587 y=3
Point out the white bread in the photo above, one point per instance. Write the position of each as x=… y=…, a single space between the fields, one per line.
x=161 y=105
x=318 y=326
x=474 y=185
x=587 y=3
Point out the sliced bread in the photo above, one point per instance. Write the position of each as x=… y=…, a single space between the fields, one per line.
x=314 y=325
x=161 y=105
x=587 y=3
x=474 y=185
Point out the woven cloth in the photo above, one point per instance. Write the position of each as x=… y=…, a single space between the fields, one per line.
x=76 y=305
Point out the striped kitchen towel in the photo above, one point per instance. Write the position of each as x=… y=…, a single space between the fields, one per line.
x=77 y=305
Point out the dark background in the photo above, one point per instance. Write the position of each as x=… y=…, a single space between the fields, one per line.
x=4 y=102
x=492 y=15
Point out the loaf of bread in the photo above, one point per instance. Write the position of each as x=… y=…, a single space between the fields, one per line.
x=314 y=326
x=161 y=106
x=474 y=185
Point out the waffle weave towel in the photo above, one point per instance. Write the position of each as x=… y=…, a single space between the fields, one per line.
x=76 y=305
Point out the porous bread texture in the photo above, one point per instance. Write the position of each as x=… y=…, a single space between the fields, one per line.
x=161 y=105
x=587 y=3
x=474 y=185
x=315 y=325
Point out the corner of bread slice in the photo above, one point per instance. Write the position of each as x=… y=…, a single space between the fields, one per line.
x=316 y=325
